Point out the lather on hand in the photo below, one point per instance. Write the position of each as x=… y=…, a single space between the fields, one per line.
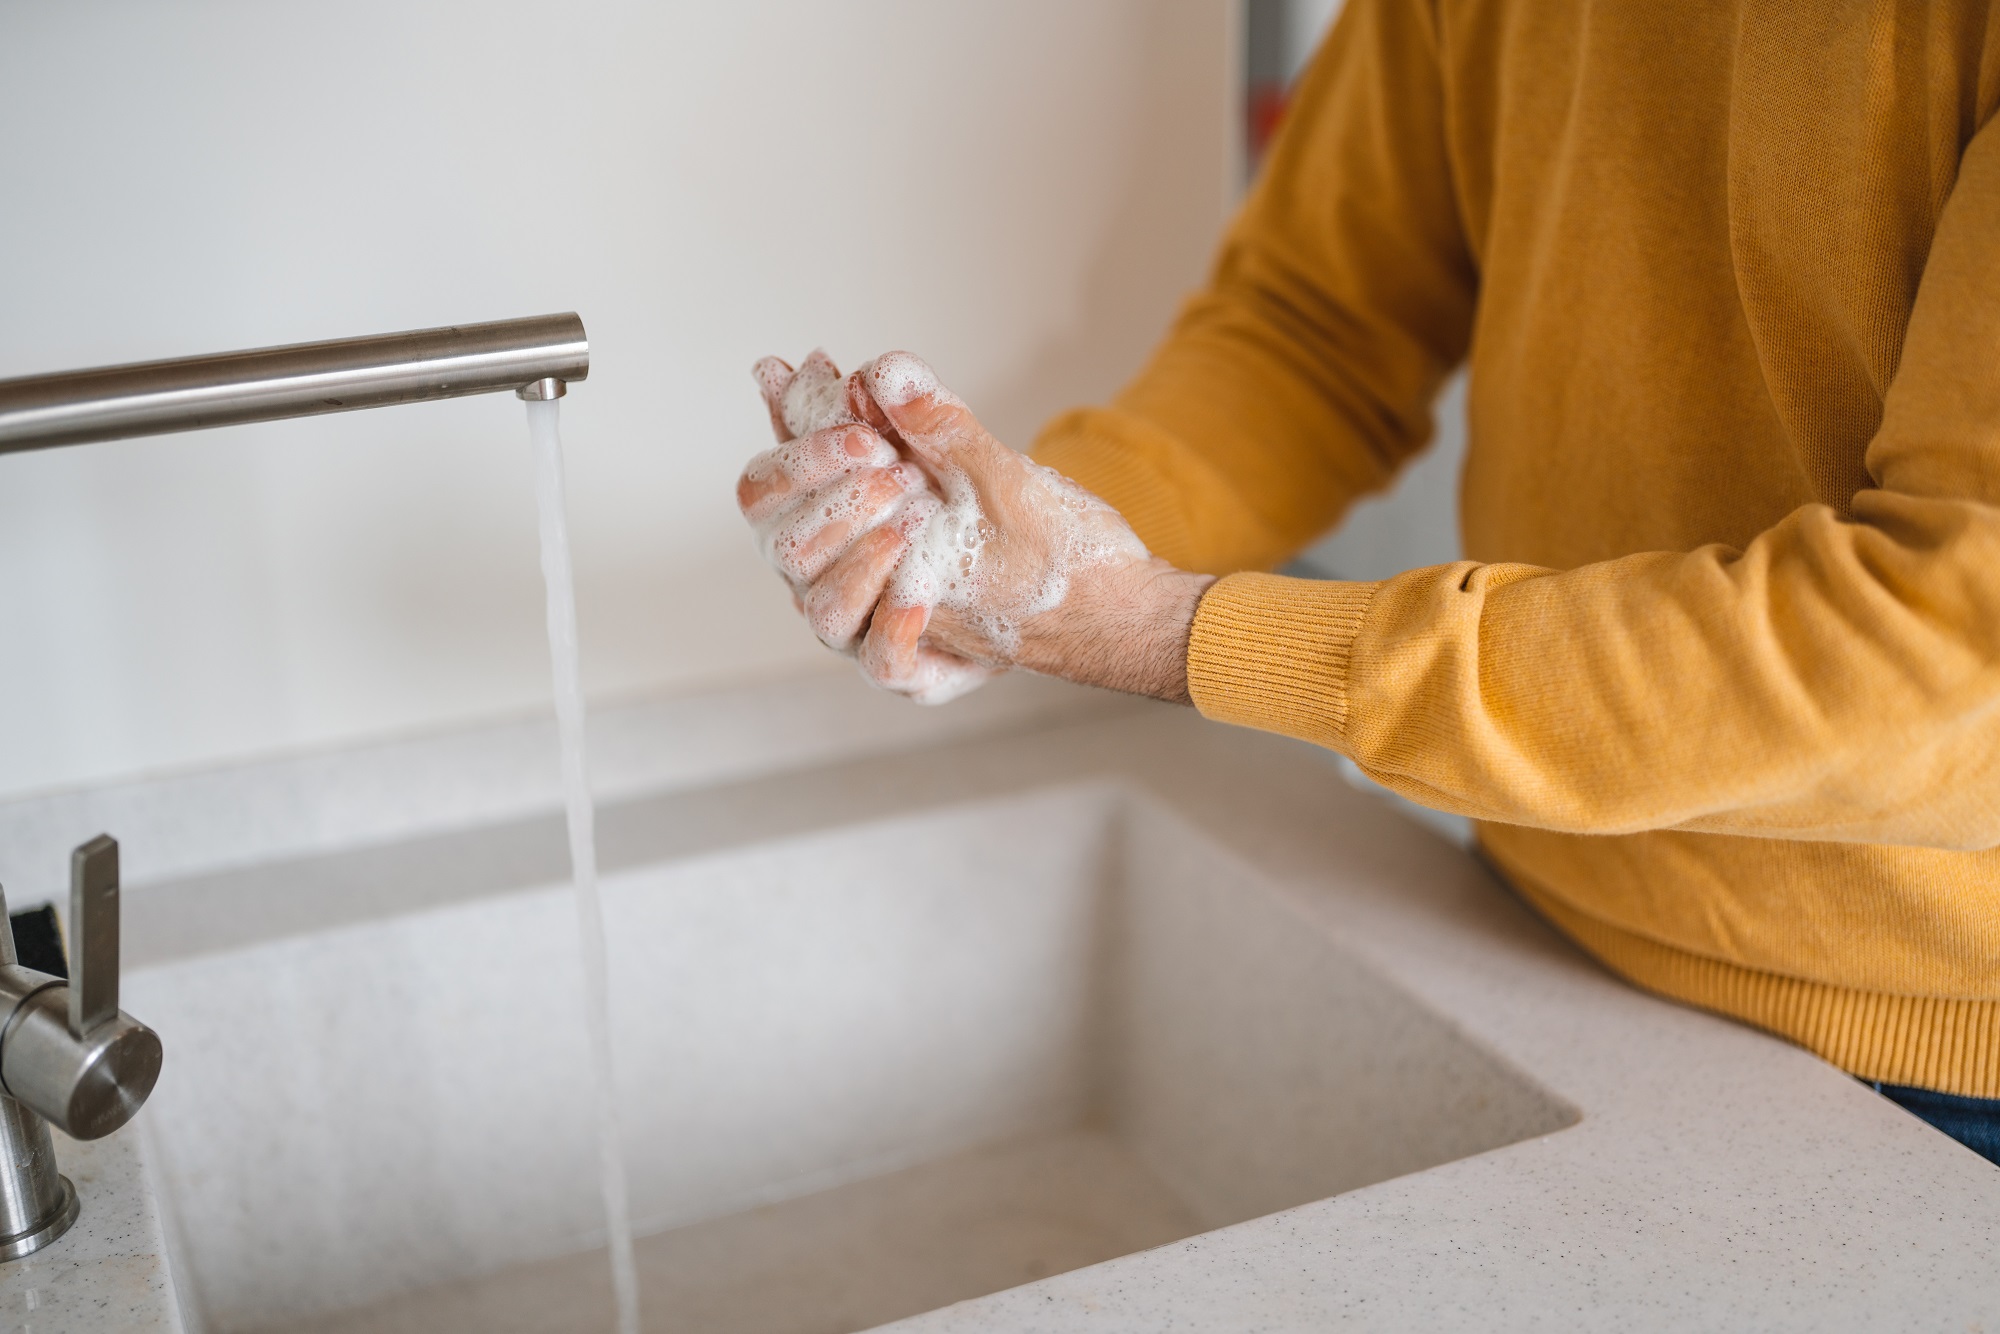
x=937 y=555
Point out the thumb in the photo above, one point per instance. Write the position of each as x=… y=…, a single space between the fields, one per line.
x=911 y=406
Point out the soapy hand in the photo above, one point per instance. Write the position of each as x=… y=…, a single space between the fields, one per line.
x=836 y=508
x=937 y=555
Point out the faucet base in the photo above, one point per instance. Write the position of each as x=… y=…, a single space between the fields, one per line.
x=57 y=1223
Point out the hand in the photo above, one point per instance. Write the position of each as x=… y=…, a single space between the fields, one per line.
x=835 y=508
x=998 y=562
x=1023 y=567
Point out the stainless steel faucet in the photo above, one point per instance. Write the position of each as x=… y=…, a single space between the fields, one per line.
x=535 y=357
x=68 y=1055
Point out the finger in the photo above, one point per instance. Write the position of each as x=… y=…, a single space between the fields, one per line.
x=942 y=677
x=763 y=484
x=815 y=398
x=888 y=654
x=918 y=412
x=841 y=601
x=802 y=466
x=772 y=375
x=823 y=456
x=928 y=676
x=863 y=405
x=818 y=529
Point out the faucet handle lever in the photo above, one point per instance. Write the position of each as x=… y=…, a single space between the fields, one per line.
x=93 y=924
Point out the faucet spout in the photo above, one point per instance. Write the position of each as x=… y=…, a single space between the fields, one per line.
x=298 y=380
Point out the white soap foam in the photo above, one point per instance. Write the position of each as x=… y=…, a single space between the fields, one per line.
x=788 y=541
x=944 y=536
x=898 y=378
x=944 y=567
x=816 y=396
x=948 y=563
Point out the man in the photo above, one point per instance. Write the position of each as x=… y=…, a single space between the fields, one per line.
x=1721 y=677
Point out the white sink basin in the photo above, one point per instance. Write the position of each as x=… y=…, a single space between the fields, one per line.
x=1047 y=984
x=882 y=1046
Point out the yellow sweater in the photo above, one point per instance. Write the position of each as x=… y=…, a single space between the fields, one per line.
x=1721 y=679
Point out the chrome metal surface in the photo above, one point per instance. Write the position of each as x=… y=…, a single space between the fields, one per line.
x=66 y=1209
x=93 y=926
x=89 y=1086
x=28 y=1190
x=303 y=379
x=543 y=389
x=37 y=1203
x=66 y=1051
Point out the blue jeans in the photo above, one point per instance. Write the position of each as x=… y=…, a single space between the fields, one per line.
x=1973 y=1122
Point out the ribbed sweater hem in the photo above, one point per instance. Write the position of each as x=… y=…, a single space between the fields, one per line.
x=1931 y=1042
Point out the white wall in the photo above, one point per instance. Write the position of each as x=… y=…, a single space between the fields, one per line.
x=1019 y=189
x=1306 y=22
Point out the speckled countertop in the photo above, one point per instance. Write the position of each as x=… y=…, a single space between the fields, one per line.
x=1717 y=1179
x=109 y=1271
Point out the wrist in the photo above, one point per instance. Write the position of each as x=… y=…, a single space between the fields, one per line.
x=1162 y=667
x=1128 y=631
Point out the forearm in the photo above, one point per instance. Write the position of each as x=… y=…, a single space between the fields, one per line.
x=1128 y=634
x=1829 y=683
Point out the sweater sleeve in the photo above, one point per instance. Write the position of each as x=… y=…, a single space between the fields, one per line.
x=1302 y=376
x=1836 y=679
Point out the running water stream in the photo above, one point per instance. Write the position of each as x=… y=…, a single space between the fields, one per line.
x=543 y=430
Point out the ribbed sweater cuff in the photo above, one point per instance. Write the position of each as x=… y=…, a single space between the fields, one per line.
x=1273 y=653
